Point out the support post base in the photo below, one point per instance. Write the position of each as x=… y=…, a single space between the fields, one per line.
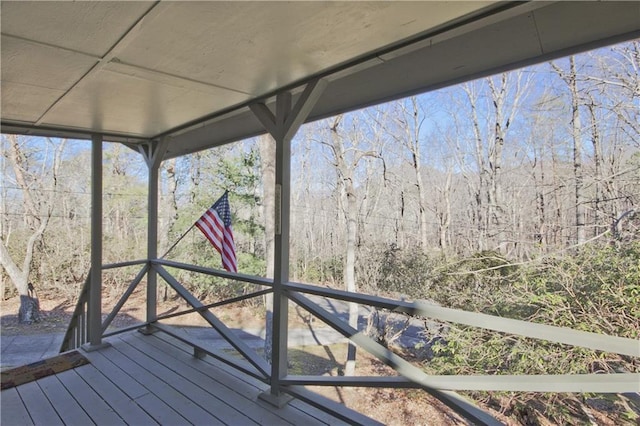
x=148 y=330
x=278 y=401
x=88 y=347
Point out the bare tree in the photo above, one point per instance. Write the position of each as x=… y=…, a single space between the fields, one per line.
x=611 y=93
x=620 y=73
x=444 y=214
x=346 y=160
x=36 y=216
x=507 y=92
x=570 y=77
x=410 y=119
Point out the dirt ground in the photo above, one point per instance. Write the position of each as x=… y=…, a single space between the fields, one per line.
x=56 y=312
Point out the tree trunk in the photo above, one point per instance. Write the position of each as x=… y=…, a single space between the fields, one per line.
x=540 y=234
x=558 y=231
x=571 y=80
x=410 y=121
x=444 y=215
x=350 y=268
x=29 y=307
x=350 y=209
x=35 y=219
x=494 y=194
x=482 y=208
x=170 y=167
x=598 y=212
x=581 y=234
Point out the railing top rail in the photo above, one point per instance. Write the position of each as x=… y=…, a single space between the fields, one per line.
x=215 y=272
x=595 y=341
x=123 y=264
x=347 y=296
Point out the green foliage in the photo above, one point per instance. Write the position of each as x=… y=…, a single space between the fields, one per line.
x=211 y=173
x=241 y=176
x=595 y=289
x=321 y=270
x=215 y=288
x=251 y=264
x=459 y=284
x=404 y=271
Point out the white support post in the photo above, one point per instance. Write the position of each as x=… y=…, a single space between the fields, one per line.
x=154 y=154
x=94 y=305
x=283 y=126
x=279 y=359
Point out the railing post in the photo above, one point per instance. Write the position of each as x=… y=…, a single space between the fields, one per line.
x=283 y=126
x=152 y=243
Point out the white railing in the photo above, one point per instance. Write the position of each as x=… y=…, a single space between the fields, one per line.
x=442 y=387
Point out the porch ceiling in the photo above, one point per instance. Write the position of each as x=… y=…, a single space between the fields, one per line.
x=141 y=70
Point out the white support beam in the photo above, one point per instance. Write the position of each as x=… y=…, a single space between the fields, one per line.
x=303 y=107
x=154 y=154
x=266 y=117
x=279 y=362
x=94 y=305
x=282 y=126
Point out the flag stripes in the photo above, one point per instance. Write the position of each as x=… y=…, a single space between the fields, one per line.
x=215 y=224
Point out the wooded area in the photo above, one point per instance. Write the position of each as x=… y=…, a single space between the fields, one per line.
x=514 y=195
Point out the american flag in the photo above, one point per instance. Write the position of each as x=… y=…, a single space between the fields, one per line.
x=215 y=224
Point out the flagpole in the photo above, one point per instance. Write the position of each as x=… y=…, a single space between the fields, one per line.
x=179 y=239
x=187 y=231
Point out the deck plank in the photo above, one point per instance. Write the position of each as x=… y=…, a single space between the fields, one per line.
x=154 y=406
x=126 y=408
x=40 y=409
x=150 y=380
x=247 y=386
x=200 y=396
x=125 y=382
x=99 y=411
x=67 y=407
x=160 y=411
x=13 y=412
x=296 y=411
x=224 y=390
x=161 y=388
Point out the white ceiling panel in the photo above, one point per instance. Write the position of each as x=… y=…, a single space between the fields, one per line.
x=91 y=27
x=25 y=103
x=446 y=62
x=118 y=103
x=40 y=65
x=255 y=47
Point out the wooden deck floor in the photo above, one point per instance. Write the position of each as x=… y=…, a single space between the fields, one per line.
x=141 y=380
